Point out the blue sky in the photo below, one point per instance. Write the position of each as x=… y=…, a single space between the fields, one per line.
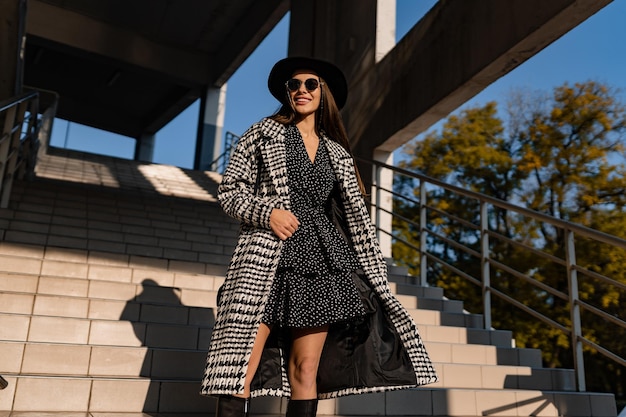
x=595 y=50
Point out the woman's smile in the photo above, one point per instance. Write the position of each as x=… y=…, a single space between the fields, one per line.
x=302 y=100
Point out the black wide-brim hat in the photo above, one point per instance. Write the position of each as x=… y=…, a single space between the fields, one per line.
x=284 y=69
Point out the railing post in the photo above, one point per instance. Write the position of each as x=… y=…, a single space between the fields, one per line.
x=423 y=247
x=572 y=281
x=27 y=147
x=485 y=274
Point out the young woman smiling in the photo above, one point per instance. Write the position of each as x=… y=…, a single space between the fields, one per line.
x=305 y=311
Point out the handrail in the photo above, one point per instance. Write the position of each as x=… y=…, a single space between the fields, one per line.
x=19 y=119
x=582 y=230
x=219 y=164
x=19 y=140
x=427 y=259
x=10 y=102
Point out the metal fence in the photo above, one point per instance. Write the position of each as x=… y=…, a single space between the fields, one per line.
x=26 y=121
x=489 y=263
x=18 y=143
x=220 y=163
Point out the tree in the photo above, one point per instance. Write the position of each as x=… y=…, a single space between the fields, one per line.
x=566 y=149
x=562 y=156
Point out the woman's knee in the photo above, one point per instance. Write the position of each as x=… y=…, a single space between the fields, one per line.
x=304 y=369
x=305 y=354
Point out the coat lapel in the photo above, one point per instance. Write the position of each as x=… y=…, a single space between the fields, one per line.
x=273 y=155
x=340 y=161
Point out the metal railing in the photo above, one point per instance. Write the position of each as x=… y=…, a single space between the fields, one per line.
x=18 y=142
x=25 y=135
x=488 y=263
x=220 y=163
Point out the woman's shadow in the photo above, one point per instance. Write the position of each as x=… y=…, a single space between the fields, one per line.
x=176 y=337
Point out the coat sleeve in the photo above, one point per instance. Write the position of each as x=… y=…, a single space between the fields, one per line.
x=236 y=192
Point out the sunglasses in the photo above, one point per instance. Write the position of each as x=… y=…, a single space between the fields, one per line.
x=310 y=84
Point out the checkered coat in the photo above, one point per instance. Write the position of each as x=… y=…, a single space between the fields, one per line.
x=255 y=260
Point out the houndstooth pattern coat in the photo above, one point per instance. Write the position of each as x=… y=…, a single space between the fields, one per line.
x=255 y=260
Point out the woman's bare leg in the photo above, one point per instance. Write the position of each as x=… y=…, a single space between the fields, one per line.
x=306 y=350
x=255 y=357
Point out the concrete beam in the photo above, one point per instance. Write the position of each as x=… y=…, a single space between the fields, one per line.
x=165 y=112
x=453 y=53
x=73 y=29
x=342 y=32
x=241 y=43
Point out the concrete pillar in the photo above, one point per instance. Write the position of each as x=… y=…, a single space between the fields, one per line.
x=144 y=147
x=383 y=199
x=385 y=41
x=385 y=28
x=12 y=27
x=210 y=128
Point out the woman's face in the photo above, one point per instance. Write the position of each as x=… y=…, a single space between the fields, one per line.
x=305 y=102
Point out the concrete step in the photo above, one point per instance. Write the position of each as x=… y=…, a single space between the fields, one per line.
x=22 y=258
x=76 y=295
x=50 y=359
x=462 y=370
x=142 y=178
x=444 y=318
x=76 y=298
x=115 y=395
x=411 y=301
x=448 y=334
x=400 y=287
x=90 y=297
x=164 y=306
x=113 y=362
x=92 y=218
x=154 y=395
x=483 y=354
x=395 y=269
x=44 y=329
x=190 y=288
x=122 y=332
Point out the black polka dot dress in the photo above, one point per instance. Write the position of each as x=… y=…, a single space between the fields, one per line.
x=313 y=284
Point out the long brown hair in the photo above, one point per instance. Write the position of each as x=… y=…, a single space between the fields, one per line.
x=327 y=119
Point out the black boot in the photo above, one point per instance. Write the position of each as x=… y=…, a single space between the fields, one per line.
x=301 y=408
x=229 y=406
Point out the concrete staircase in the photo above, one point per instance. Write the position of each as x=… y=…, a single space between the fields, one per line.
x=109 y=271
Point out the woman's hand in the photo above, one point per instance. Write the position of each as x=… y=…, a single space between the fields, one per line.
x=283 y=223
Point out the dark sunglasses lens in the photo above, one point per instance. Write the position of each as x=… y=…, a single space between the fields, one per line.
x=293 y=84
x=310 y=84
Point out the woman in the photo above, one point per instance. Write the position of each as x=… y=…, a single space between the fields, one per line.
x=305 y=311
